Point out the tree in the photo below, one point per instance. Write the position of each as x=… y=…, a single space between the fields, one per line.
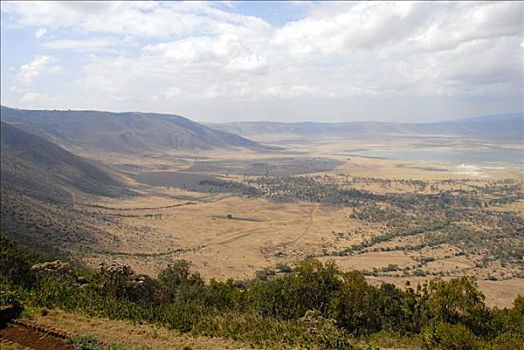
x=446 y=336
x=179 y=283
x=354 y=305
x=458 y=301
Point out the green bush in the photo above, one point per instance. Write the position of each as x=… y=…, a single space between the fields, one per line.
x=354 y=305
x=268 y=331
x=458 y=301
x=62 y=291
x=315 y=305
x=450 y=337
x=394 y=340
x=181 y=316
x=90 y=342
x=224 y=295
x=178 y=282
x=15 y=267
x=10 y=297
x=310 y=287
x=507 y=341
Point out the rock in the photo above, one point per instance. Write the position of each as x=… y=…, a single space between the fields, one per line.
x=311 y=316
x=7 y=313
x=52 y=266
x=116 y=267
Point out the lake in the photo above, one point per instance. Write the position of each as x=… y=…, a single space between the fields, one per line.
x=486 y=157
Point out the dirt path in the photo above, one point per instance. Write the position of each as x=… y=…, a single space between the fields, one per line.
x=310 y=224
x=18 y=337
x=141 y=208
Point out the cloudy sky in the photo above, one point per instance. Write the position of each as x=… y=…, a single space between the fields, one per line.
x=282 y=61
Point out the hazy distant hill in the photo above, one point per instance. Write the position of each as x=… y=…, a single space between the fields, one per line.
x=507 y=126
x=124 y=132
x=36 y=167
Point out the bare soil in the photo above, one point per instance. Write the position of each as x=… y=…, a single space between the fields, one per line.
x=33 y=339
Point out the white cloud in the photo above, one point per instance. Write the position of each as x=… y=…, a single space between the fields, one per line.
x=40 y=32
x=190 y=52
x=249 y=63
x=33 y=98
x=148 y=19
x=228 y=51
x=87 y=45
x=30 y=71
x=293 y=91
x=405 y=26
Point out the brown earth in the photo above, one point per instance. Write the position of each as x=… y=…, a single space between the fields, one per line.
x=33 y=339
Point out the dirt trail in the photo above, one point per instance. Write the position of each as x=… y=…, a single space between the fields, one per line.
x=141 y=208
x=19 y=337
x=310 y=224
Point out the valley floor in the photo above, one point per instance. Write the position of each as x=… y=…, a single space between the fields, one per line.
x=193 y=208
x=243 y=214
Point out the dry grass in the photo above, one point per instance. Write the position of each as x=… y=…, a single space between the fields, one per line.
x=163 y=224
x=133 y=335
x=368 y=261
x=262 y=234
x=497 y=293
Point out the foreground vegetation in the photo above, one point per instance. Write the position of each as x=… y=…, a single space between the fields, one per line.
x=312 y=305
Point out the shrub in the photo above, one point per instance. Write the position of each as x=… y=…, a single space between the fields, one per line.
x=353 y=305
x=178 y=282
x=507 y=341
x=310 y=287
x=314 y=306
x=450 y=337
x=458 y=301
x=15 y=267
x=394 y=340
x=11 y=297
x=90 y=342
x=268 y=331
x=223 y=295
x=181 y=316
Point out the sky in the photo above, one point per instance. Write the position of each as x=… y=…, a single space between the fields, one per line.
x=273 y=61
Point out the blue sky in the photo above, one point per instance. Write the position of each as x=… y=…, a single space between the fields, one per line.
x=282 y=61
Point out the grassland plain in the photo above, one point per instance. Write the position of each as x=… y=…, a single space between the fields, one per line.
x=221 y=211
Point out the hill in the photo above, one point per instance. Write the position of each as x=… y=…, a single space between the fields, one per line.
x=130 y=132
x=507 y=126
x=39 y=185
x=34 y=166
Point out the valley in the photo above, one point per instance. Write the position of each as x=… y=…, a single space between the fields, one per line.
x=313 y=175
x=245 y=213
x=234 y=222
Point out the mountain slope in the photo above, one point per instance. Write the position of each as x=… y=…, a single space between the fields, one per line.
x=34 y=166
x=135 y=133
x=507 y=126
x=40 y=186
